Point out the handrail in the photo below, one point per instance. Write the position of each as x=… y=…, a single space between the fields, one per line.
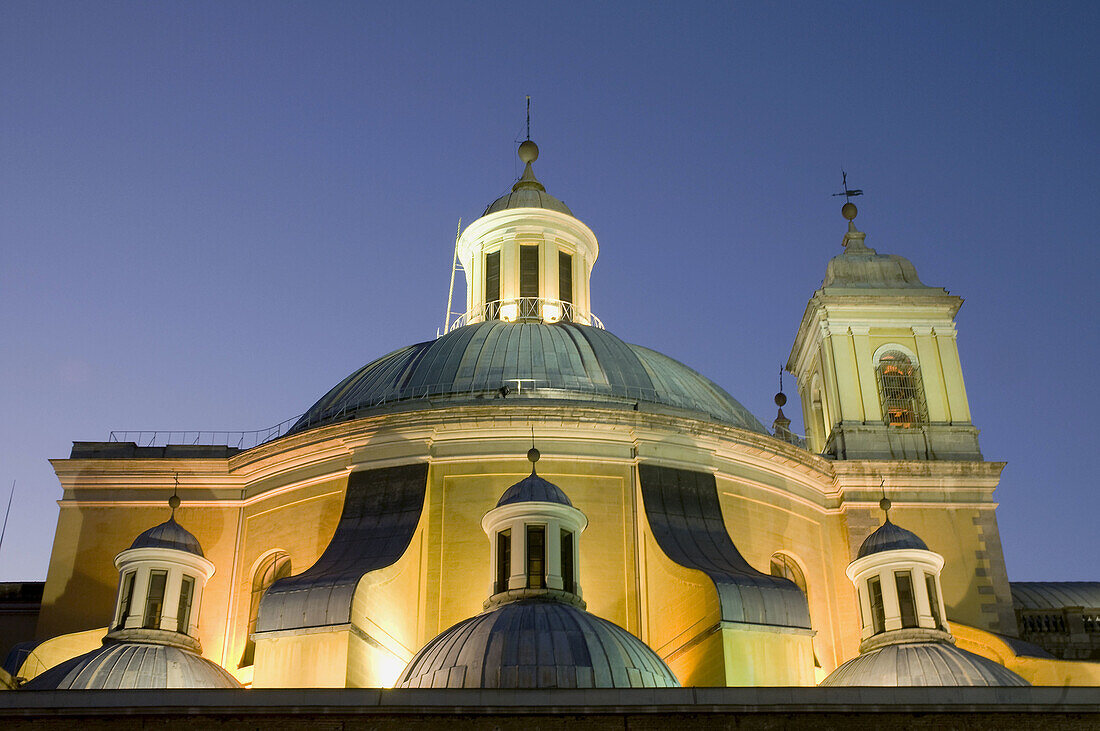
x=527 y=309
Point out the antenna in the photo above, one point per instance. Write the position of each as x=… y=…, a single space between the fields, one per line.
x=451 y=291
x=6 y=513
x=528 y=116
x=848 y=194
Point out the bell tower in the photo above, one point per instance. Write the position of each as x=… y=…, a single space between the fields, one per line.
x=877 y=364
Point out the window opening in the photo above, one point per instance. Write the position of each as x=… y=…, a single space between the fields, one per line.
x=275 y=567
x=878 y=613
x=933 y=599
x=567 y=579
x=900 y=391
x=492 y=285
x=536 y=557
x=154 y=601
x=126 y=599
x=529 y=270
x=504 y=559
x=906 y=602
x=565 y=282
x=784 y=566
x=183 y=612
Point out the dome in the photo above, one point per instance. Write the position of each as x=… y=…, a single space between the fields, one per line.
x=559 y=362
x=527 y=198
x=890 y=537
x=168 y=534
x=118 y=666
x=534 y=489
x=867 y=269
x=921 y=663
x=536 y=644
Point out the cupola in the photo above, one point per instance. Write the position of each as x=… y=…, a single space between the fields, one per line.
x=533 y=541
x=535 y=632
x=527 y=259
x=898 y=581
x=152 y=642
x=904 y=635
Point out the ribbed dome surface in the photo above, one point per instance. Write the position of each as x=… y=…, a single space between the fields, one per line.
x=921 y=663
x=534 y=489
x=526 y=198
x=890 y=537
x=134 y=665
x=561 y=361
x=536 y=644
x=168 y=534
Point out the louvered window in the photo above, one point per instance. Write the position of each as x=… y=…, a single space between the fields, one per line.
x=529 y=270
x=565 y=277
x=154 y=601
x=567 y=578
x=504 y=559
x=183 y=611
x=900 y=391
x=878 y=612
x=492 y=284
x=906 y=602
x=536 y=557
x=933 y=599
x=126 y=599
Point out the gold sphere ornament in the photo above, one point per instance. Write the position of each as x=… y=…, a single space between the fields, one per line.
x=849 y=210
x=528 y=151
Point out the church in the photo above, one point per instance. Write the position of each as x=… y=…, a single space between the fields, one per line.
x=528 y=502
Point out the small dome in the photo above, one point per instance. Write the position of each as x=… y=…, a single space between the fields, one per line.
x=534 y=489
x=536 y=644
x=527 y=198
x=890 y=537
x=921 y=663
x=168 y=534
x=127 y=665
x=865 y=268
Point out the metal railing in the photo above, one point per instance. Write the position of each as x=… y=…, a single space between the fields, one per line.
x=527 y=309
x=205 y=437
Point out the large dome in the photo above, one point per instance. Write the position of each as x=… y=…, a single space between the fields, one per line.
x=494 y=360
x=125 y=665
x=536 y=644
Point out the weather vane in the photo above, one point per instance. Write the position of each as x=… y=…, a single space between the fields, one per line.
x=848 y=194
x=528 y=116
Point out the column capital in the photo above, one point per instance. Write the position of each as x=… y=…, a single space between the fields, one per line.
x=860 y=329
x=919 y=330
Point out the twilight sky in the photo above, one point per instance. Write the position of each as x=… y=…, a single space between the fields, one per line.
x=210 y=213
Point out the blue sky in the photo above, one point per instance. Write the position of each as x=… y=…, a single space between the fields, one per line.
x=212 y=212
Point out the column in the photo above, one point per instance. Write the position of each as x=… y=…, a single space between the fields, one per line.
x=948 y=347
x=935 y=394
x=868 y=386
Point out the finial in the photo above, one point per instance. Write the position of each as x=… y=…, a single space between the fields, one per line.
x=528 y=116
x=533 y=453
x=528 y=151
x=848 y=210
x=174 y=501
x=884 y=503
x=781 y=398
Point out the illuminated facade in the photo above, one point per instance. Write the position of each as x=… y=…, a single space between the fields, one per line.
x=341 y=549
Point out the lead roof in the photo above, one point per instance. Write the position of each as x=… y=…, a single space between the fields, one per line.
x=495 y=360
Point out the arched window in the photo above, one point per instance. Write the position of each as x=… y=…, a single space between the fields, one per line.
x=785 y=566
x=900 y=391
x=275 y=566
